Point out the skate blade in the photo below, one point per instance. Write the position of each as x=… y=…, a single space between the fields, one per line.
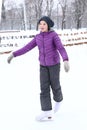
x=45 y=119
x=49 y=117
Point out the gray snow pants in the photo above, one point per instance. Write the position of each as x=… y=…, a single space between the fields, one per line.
x=49 y=79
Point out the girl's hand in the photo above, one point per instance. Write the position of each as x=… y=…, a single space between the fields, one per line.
x=66 y=66
x=10 y=58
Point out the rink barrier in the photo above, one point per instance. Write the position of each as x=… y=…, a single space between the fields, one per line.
x=68 y=38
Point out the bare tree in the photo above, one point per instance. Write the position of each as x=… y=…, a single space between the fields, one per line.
x=66 y=13
x=11 y=15
x=33 y=11
x=3 y=15
x=38 y=5
x=49 y=7
x=79 y=9
x=38 y=8
x=63 y=4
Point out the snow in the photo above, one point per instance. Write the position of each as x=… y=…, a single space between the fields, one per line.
x=19 y=93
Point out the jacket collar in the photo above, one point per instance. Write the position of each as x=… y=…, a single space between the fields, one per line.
x=46 y=33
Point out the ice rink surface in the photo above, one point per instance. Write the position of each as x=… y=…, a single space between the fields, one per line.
x=19 y=93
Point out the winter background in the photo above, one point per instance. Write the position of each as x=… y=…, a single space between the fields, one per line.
x=20 y=88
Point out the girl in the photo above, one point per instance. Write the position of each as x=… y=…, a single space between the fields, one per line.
x=50 y=48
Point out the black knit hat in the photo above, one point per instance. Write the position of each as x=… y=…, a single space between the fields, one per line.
x=49 y=22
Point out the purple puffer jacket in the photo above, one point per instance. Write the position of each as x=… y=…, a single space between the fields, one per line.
x=50 y=48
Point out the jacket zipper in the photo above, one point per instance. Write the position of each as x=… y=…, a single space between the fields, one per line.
x=44 y=50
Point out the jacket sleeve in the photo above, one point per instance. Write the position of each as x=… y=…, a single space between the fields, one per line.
x=26 y=48
x=60 y=47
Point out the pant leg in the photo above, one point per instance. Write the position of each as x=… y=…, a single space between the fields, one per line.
x=45 y=97
x=55 y=82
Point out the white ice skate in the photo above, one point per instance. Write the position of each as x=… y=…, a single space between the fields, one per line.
x=57 y=106
x=45 y=115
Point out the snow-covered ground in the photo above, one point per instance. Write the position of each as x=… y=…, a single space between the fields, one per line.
x=19 y=93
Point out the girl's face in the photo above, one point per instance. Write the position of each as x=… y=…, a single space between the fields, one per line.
x=43 y=26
